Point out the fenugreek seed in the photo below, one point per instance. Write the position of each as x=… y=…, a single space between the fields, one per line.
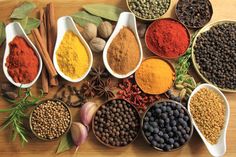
x=208 y=110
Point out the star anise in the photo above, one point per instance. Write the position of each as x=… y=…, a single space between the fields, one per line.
x=105 y=89
x=88 y=89
x=98 y=74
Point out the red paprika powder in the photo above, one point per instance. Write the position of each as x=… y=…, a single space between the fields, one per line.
x=167 y=38
x=22 y=62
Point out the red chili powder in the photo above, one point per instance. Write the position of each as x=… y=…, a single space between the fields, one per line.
x=167 y=38
x=22 y=62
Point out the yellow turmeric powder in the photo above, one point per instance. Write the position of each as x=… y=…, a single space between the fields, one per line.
x=155 y=76
x=72 y=57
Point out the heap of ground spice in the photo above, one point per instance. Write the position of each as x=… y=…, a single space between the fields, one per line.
x=167 y=38
x=155 y=76
x=123 y=54
x=22 y=62
x=208 y=111
x=72 y=56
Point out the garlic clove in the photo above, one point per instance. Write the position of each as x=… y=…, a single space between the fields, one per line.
x=79 y=133
x=87 y=112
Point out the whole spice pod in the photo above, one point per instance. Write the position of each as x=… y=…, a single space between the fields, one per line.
x=97 y=44
x=90 y=31
x=7 y=87
x=87 y=112
x=79 y=134
x=10 y=95
x=105 y=29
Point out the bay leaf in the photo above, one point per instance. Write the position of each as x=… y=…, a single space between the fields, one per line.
x=23 y=21
x=2 y=33
x=105 y=11
x=83 y=17
x=31 y=24
x=65 y=144
x=23 y=10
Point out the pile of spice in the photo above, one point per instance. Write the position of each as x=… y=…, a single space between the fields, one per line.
x=50 y=119
x=208 y=111
x=22 y=63
x=215 y=54
x=123 y=53
x=194 y=13
x=155 y=76
x=72 y=56
x=167 y=38
x=96 y=36
x=71 y=95
x=149 y=9
x=116 y=123
x=130 y=91
x=167 y=125
x=99 y=85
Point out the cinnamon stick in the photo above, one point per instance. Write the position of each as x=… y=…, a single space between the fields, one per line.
x=43 y=33
x=44 y=53
x=51 y=36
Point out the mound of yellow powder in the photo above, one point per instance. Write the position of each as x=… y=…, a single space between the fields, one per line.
x=155 y=76
x=72 y=57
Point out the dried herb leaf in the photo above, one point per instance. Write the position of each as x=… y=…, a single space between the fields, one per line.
x=22 y=11
x=105 y=11
x=23 y=21
x=2 y=33
x=65 y=144
x=83 y=17
x=31 y=24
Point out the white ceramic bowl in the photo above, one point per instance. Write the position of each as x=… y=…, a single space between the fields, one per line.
x=65 y=24
x=126 y=19
x=218 y=149
x=12 y=30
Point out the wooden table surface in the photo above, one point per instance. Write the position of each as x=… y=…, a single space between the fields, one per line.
x=223 y=9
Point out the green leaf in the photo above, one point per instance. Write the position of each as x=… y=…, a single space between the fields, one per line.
x=23 y=21
x=83 y=17
x=65 y=144
x=31 y=24
x=23 y=10
x=105 y=11
x=2 y=33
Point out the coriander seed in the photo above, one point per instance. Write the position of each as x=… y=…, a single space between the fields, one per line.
x=50 y=119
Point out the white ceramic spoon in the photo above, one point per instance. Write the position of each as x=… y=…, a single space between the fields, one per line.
x=12 y=30
x=218 y=149
x=126 y=19
x=65 y=24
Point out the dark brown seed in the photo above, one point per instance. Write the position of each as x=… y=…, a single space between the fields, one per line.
x=10 y=95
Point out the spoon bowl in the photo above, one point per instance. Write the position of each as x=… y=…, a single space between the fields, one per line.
x=126 y=19
x=219 y=148
x=65 y=24
x=12 y=30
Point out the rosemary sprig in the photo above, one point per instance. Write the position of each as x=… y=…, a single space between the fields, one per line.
x=17 y=114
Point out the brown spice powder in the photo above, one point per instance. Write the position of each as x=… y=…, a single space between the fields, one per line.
x=123 y=54
x=208 y=110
